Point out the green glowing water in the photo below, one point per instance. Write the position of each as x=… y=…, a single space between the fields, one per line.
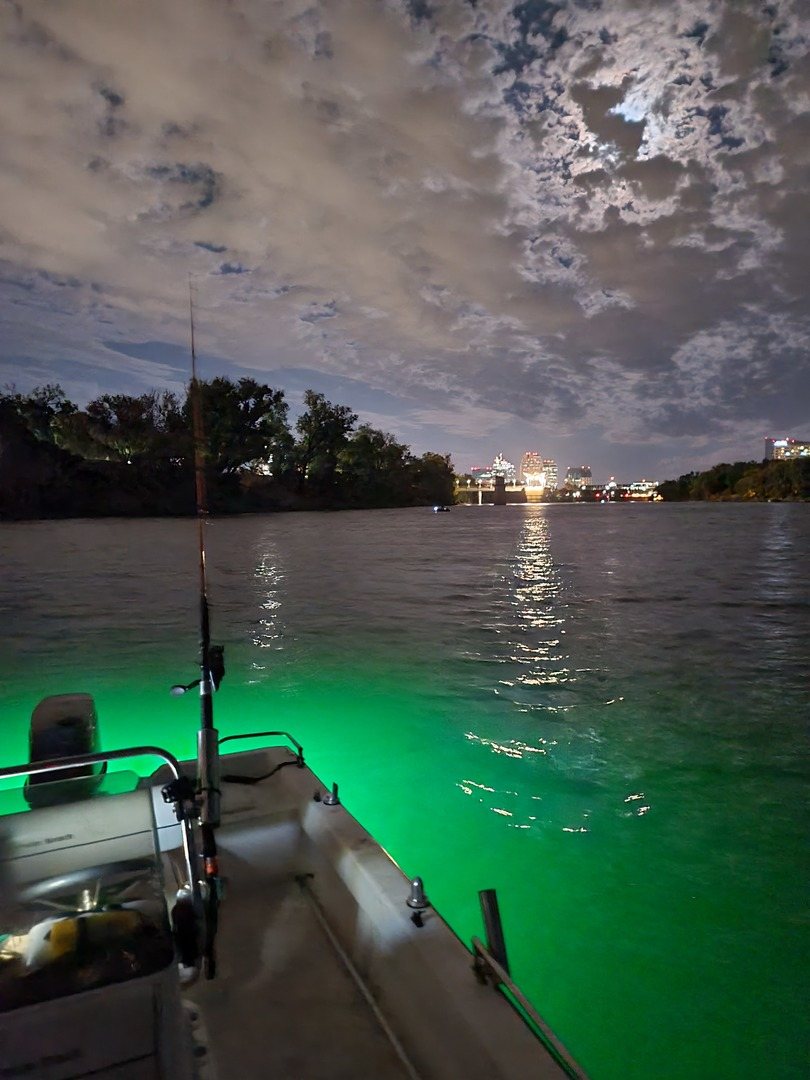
x=598 y=711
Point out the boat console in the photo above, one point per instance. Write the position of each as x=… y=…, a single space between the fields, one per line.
x=89 y=979
x=83 y=912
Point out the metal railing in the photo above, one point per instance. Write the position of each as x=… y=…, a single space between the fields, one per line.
x=54 y=764
x=492 y=965
x=266 y=735
x=487 y=966
x=79 y=760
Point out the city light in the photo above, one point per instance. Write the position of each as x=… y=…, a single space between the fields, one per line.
x=537 y=481
x=786 y=449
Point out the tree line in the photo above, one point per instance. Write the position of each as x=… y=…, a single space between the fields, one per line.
x=134 y=454
x=755 y=480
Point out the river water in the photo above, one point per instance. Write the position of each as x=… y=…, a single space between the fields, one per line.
x=601 y=711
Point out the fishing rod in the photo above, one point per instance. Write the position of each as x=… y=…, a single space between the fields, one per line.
x=212 y=666
x=212 y=671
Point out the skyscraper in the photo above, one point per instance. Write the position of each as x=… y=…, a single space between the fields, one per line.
x=550 y=469
x=531 y=469
x=504 y=468
x=578 y=476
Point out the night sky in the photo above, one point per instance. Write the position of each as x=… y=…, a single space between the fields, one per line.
x=578 y=227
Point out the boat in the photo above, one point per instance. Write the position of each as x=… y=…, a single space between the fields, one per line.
x=441 y=509
x=226 y=917
x=317 y=957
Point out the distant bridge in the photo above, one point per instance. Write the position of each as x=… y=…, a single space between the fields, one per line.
x=514 y=493
x=485 y=493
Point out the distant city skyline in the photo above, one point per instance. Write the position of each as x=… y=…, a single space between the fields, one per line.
x=539 y=471
x=783 y=447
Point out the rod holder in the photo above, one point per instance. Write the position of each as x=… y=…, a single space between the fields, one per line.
x=208 y=775
x=496 y=943
x=331 y=798
x=416 y=897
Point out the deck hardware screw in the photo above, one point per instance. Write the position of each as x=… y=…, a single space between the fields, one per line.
x=416 y=898
x=331 y=798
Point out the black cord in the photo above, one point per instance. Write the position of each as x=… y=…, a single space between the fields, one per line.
x=232 y=779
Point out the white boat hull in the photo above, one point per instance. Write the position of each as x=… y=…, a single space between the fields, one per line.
x=284 y=1003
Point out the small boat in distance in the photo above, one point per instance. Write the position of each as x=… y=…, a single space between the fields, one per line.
x=440 y=509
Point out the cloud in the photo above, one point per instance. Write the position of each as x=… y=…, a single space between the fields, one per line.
x=553 y=213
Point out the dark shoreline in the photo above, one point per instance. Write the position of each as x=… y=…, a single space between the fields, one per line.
x=308 y=505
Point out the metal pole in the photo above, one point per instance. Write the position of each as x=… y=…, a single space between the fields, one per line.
x=496 y=944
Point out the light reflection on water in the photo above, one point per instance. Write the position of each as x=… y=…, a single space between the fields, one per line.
x=270 y=580
x=599 y=710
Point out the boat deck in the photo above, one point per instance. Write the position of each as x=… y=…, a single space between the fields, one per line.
x=321 y=971
x=323 y=968
x=283 y=1003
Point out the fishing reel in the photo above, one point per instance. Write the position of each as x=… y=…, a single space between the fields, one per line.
x=216 y=671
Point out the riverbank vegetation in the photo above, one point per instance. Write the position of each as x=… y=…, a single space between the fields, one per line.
x=125 y=455
x=743 y=480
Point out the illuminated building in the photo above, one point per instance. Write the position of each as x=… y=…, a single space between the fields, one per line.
x=485 y=474
x=537 y=472
x=578 y=476
x=531 y=469
x=786 y=449
x=504 y=468
x=642 y=489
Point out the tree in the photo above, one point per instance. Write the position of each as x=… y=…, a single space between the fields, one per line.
x=720 y=480
x=677 y=490
x=779 y=479
x=323 y=430
x=151 y=426
x=786 y=479
x=434 y=479
x=75 y=433
x=374 y=468
x=245 y=426
x=133 y=454
x=749 y=486
x=41 y=410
